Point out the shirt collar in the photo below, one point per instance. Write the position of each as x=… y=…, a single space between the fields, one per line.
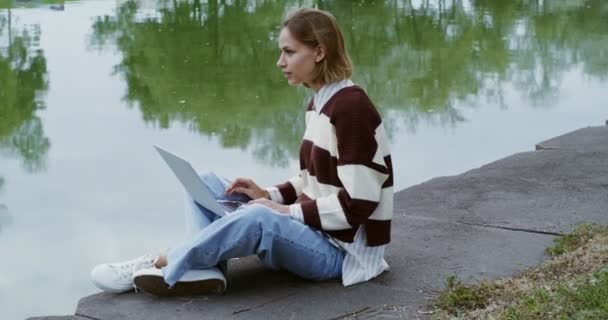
x=327 y=91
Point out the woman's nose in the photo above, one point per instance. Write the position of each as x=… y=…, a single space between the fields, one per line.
x=281 y=61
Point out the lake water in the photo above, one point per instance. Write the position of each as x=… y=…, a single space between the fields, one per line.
x=87 y=87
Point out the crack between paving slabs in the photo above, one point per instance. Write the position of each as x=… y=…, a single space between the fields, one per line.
x=541 y=148
x=511 y=229
x=86 y=317
x=263 y=304
x=485 y=225
x=349 y=314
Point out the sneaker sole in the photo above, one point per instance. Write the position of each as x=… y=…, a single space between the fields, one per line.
x=107 y=289
x=156 y=286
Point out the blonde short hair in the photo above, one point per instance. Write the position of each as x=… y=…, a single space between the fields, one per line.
x=315 y=28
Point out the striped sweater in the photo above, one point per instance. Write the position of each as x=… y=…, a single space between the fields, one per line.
x=346 y=177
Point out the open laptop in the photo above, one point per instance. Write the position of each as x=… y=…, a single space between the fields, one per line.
x=195 y=186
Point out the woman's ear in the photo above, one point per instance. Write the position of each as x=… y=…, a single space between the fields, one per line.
x=319 y=53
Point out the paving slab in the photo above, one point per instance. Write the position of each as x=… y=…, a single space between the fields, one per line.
x=254 y=293
x=545 y=191
x=586 y=139
x=490 y=222
x=423 y=254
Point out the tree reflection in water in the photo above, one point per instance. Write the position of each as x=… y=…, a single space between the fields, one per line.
x=23 y=79
x=211 y=66
x=24 y=82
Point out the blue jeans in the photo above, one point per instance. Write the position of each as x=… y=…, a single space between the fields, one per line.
x=279 y=241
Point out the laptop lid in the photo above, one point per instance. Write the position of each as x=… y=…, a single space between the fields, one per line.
x=191 y=181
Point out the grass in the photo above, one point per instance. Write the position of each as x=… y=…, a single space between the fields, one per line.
x=584 y=299
x=573 y=284
x=578 y=238
x=459 y=298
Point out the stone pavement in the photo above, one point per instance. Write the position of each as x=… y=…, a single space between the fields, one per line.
x=487 y=223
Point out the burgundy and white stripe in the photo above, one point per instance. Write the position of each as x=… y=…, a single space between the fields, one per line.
x=345 y=186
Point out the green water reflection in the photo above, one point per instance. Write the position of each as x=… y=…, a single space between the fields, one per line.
x=211 y=66
x=23 y=84
x=53 y=4
x=432 y=56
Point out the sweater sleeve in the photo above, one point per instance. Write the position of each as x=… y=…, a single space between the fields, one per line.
x=361 y=169
x=288 y=192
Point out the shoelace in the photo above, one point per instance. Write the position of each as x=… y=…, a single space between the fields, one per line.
x=146 y=261
x=126 y=270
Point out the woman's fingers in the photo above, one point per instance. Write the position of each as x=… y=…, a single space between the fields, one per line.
x=240 y=190
x=246 y=186
x=238 y=183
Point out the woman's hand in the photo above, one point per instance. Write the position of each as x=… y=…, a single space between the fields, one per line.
x=283 y=209
x=248 y=187
x=259 y=195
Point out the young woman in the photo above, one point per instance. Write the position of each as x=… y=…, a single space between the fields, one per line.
x=332 y=220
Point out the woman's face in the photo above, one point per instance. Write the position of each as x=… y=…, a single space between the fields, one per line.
x=296 y=60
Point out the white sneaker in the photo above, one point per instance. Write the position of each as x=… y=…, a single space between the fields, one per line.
x=118 y=277
x=192 y=283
